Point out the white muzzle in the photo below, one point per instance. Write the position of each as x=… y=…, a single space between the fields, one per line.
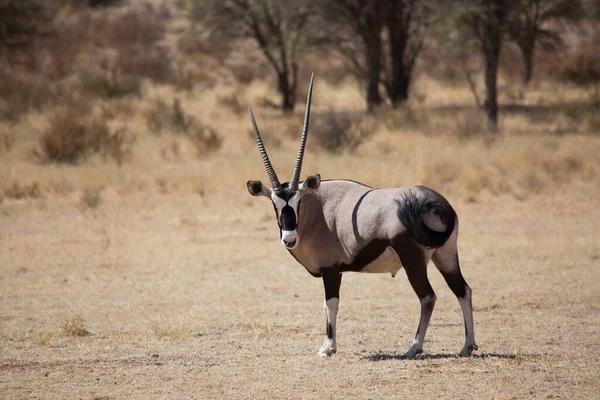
x=289 y=238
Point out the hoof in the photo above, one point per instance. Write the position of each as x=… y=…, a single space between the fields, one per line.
x=411 y=354
x=468 y=350
x=326 y=352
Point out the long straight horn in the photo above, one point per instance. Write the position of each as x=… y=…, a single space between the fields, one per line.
x=261 y=147
x=298 y=167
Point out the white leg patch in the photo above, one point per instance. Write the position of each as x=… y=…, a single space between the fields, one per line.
x=329 y=346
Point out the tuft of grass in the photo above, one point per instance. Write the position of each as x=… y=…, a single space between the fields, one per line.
x=23 y=191
x=43 y=339
x=91 y=197
x=74 y=326
x=172 y=330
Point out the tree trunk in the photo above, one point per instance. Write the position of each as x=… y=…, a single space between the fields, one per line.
x=491 y=42
x=399 y=84
x=287 y=92
x=373 y=53
x=492 y=59
x=399 y=80
x=527 y=47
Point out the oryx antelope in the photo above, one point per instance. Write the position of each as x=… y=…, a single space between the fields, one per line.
x=337 y=226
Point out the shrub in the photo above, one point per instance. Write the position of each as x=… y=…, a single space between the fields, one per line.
x=174 y=118
x=138 y=26
x=583 y=67
x=111 y=85
x=336 y=132
x=151 y=62
x=18 y=191
x=7 y=141
x=232 y=102
x=74 y=326
x=19 y=93
x=90 y=197
x=205 y=139
x=70 y=139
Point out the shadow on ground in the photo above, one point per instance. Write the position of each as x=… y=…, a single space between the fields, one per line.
x=439 y=356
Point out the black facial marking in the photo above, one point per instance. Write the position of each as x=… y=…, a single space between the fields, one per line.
x=287 y=219
x=284 y=192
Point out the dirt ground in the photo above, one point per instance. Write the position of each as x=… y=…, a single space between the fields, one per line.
x=181 y=296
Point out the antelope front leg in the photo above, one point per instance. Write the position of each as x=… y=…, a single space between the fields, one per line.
x=332 y=280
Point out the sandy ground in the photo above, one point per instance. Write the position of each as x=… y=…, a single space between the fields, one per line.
x=185 y=297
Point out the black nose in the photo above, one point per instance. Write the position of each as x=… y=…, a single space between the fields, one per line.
x=290 y=244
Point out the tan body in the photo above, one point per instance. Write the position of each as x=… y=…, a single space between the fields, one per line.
x=337 y=226
x=340 y=218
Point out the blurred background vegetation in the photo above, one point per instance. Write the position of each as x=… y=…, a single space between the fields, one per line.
x=471 y=95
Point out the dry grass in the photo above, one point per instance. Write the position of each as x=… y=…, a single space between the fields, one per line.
x=91 y=197
x=182 y=312
x=74 y=326
x=180 y=271
x=23 y=191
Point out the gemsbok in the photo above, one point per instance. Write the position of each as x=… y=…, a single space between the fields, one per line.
x=337 y=226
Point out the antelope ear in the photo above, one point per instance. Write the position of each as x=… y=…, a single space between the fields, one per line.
x=312 y=182
x=256 y=188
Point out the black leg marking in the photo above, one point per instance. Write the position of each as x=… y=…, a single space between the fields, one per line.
x=332 y=279
x=329 y=331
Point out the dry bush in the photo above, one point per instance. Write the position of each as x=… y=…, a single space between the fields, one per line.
x=232 y=102
x=7 y=141
x=92 y=3
x=336 y=131
x=205 y=139
x=137 y=26
x=23 y=191
x=71 y=139
x=20 y=92
x=101 y=3
x=90 y=197
x=74 y=326
x=175 y=120
x=111 y=85
x=195 y=44
x=151 y=62
x=162 y=116
x=582 y=67
x=467 y=125
x=404 y=117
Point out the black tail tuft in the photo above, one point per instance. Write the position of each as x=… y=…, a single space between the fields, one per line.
x=411 y=208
